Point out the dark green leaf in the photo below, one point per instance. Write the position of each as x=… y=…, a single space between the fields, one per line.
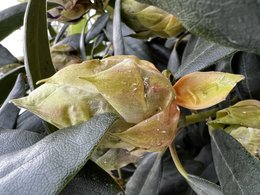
x=200 y=54
x=47 y=166
x=97 y=27
x=38 y=63
x=7 y=81
x=231 y=23
x=147 y=177
x=6 y=57
x=174 y=61
x=11 y=19
x=72 y=40
x=82 y=42
x=248 y=64
x=132 y=46
x=237 y=170
x=118 y=41
x=30 y=122
x=202 y=186
x=12 y=140
x=92 y=179
x=8 y=111
x=61 y=33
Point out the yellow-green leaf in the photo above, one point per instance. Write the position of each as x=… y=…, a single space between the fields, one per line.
x=249 y=138
x=244 y=113
x=134 y=88
x=154 y=133
x=149 y=20
x=63 y=106
x=201 y=90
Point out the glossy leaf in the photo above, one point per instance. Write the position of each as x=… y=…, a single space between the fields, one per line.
x=92 y=178
x=237 y=170
x=53 y=161
x=218 y=21
x=8 y=111
x=202 y=186
x=200 y=54
x=6 y=57
x=147 y=177
x=244 y=113
x=200 y=90
x=37 y=57
x=7 y=81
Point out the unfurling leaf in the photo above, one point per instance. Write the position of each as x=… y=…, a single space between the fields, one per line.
x=63 y=55
x=134 y=88
x=201 y=90
x=64 y=99
x=244 y=113
x=149 y=20
x=155 y=132
x=249 y=138
x=71 y=10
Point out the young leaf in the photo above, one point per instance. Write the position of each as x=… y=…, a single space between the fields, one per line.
x=94 y=179
x=154 y=133
x=51 y=163
x=147 y=177
x=136 y=81
x=8 y=111
x=38 y=63
x=200 y=54
x=248 y=137
x=201 y=90
x=244 y=113
x=214 y=20
x=202 y=186
x=238 y=171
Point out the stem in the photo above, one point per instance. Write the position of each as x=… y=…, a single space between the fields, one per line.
x=195 y=118
x=177 y=161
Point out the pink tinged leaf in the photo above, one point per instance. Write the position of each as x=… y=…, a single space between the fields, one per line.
x=154 y=133
x=201 y=90
x=134 y=88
